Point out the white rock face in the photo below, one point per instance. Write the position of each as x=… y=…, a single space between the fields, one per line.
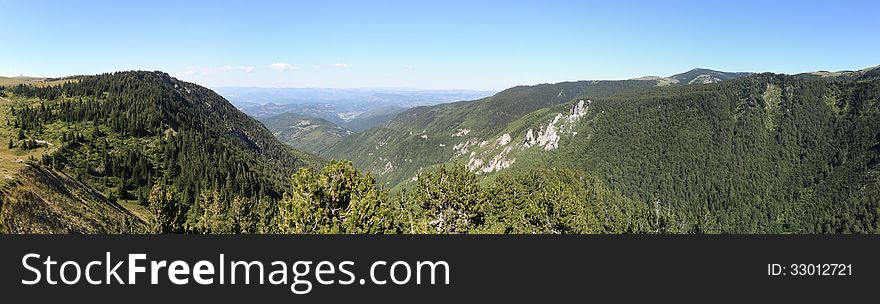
x=499 y=162
x=474 y=163
x=504 y=139
x=549 y=138
x=529 y=140
x=578 y=110
x=464 y=147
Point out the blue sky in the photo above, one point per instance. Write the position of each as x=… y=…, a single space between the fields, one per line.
x=432 y=44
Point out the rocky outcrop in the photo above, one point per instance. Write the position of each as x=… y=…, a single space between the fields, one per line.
x=548 y=137
x=489 y=159
x=504 y=139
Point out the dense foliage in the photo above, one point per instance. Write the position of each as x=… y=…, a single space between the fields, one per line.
x=450 y=199
x=768 y=153
x=172 y=146
x=335 y=200
x=759 y=154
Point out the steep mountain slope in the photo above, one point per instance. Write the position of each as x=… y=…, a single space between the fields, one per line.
x=426 y=136
x=166 y=150
x=759 y=153
x=303 y=132
x=765 y=153
x=42 y=200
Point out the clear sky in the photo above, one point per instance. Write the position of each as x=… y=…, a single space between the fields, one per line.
x=443 y=44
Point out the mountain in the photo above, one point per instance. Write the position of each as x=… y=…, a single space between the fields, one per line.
x=354 y=109
x=135 y=152
x=756 y=153
x=695 y=76
x=764 y=153
x=425 y=136
x=144 y=152
x=303 y=132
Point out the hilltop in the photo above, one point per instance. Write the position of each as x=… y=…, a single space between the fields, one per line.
x=152 y=150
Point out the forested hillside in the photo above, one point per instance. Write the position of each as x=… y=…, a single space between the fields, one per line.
x=426 y=136
x=173 y=153
x=759 y=154
x=765 y=153
x=144 y=152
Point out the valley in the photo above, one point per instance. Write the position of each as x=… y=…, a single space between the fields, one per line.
x=698 y=152
x=735 y=145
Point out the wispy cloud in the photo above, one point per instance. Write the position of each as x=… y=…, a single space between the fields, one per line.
x=340 y=65
x=281 y=66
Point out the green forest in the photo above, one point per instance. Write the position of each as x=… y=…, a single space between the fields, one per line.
x=761 y=153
